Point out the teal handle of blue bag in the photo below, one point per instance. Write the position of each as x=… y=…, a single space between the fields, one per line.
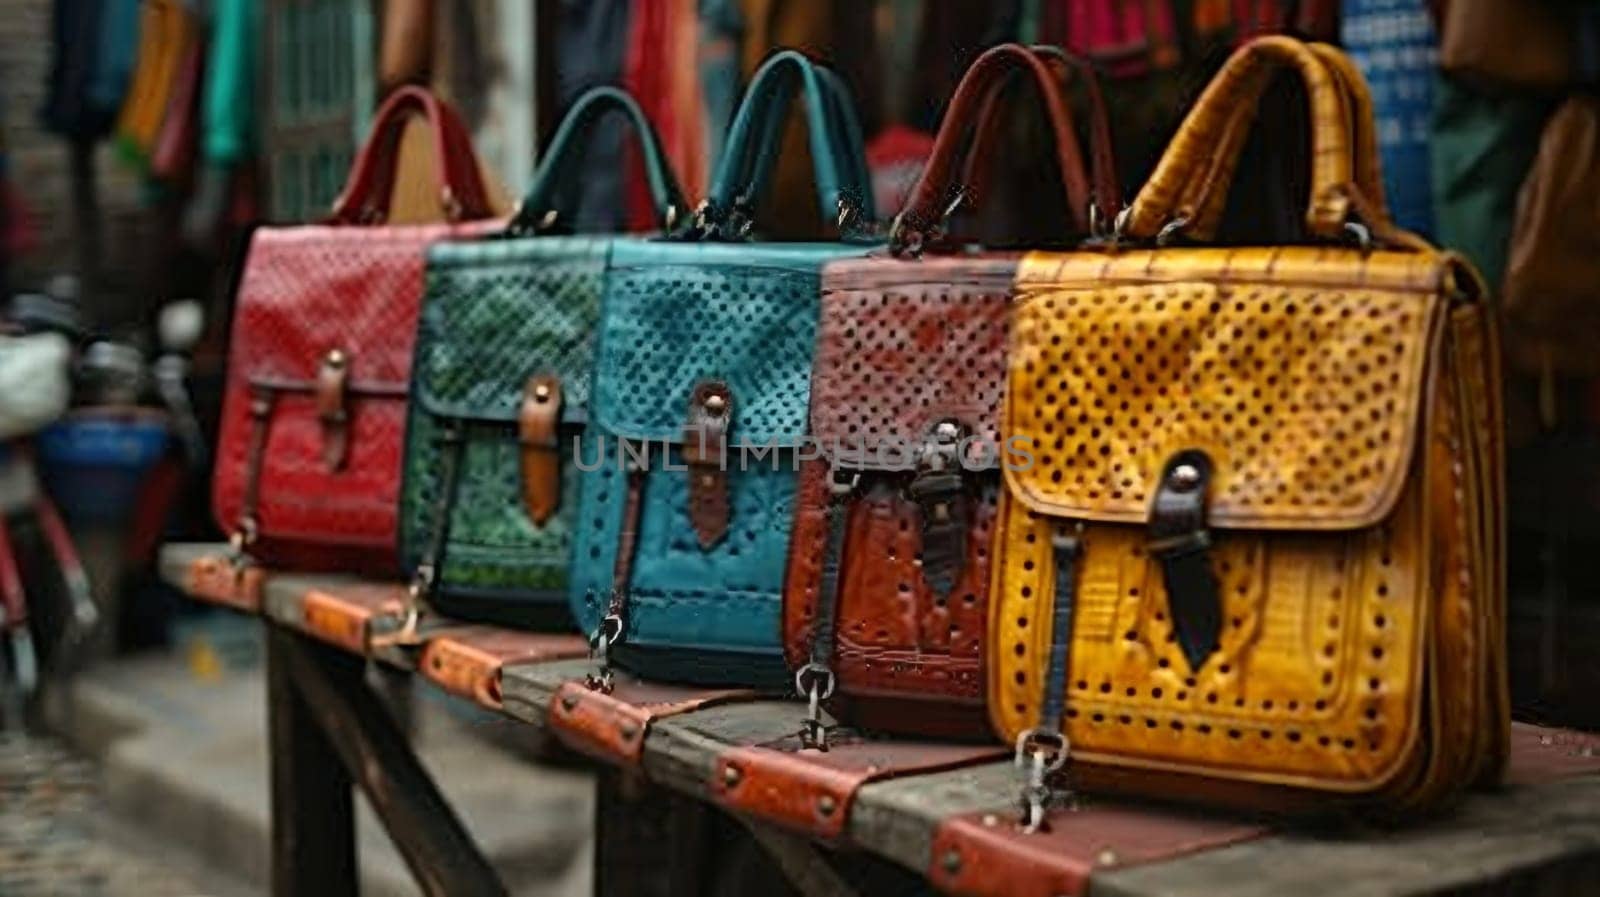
x=846 y=130
x=753 y=140
x=540 y=210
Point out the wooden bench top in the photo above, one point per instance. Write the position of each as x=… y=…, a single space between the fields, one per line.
x=945 y=811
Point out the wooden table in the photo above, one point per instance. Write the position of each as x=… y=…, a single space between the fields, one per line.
x=705 y=792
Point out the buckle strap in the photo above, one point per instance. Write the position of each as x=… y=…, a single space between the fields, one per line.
x=425 y=582
x=705 y=451
x=538 y=420
x=1043 y=750
x=613 y=625
x=1180 y=541
x=815 y=681
x=247 y=527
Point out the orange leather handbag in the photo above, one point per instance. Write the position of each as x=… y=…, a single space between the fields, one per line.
x=1255 y=556
x=886 y=597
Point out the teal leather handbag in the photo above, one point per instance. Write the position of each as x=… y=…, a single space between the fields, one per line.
x=501 y=386
x=702 y=378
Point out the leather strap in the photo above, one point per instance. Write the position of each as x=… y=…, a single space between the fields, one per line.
x=557 y=167
x=538 y=434
x=924 y=211
x=1239 y=85
x=247 y=526
x=705 y=451
x=452 y=443
x=1181 y=542
x=332 y=385
x=1065 y=547
x=835 y=140
x=824 y=626
x=462 y=195
x=1105 y=190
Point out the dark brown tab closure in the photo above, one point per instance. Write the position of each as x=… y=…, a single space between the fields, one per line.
x=705 y=451
x=611 y=726
x=333 y=379
x=467 y=660
x=810 y=791
x=219 y=579
x=538 y=424
x=987 y=855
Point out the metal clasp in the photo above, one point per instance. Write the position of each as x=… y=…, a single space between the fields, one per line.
x=1040 y=754
x=606 y=634
x=815 y=682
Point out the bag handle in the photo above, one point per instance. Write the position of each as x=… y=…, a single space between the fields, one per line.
x=1093 y=202
x=538 y=211
x=1207 y=140
x=462 y=196
x=833 y=133
x=1209 y=201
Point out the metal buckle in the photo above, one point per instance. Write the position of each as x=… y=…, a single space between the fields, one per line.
x=815 y=682
x=1040 y=753
x=841 y=487
x=606 y=633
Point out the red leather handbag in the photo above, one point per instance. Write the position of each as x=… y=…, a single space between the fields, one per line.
x=308 y=461
x=886 y=599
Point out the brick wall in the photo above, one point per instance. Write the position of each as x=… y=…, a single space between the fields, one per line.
x=40 y=164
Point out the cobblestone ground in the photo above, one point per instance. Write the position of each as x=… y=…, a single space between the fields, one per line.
x=53 y=832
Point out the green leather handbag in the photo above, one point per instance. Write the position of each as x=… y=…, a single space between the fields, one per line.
x=702 y=377
x=500 y=386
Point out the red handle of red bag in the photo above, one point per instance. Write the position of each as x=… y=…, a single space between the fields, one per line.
x=925 y=210
x=366 y=196
x=1106 y=195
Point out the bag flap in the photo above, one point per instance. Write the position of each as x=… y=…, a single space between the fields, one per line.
x=309 y=290
x=677 y=314
x=904 y=345
x=497 y=312
x=1305 y=395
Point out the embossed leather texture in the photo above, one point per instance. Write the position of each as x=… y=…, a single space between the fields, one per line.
x=308 y=459
x=501 y=393
x=886 y=599
x=703 y=360
x=1264 y=503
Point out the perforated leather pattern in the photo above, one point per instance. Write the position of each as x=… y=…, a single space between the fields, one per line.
x=674 y=315
x=1306 y=399
x=496 y=313
x=500 y=311
x=895 y=636
x=904 y=345
x=1353 y=654
x=306 y=291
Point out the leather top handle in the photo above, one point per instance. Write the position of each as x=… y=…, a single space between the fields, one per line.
x=971 y=108
x=846 y=130
x=366 y=195
x=539 y=212
x=1207 y=203
x=1190 y=160
x=835 y=142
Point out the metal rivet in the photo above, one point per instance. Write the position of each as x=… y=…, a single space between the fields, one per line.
x=941 y=512
x=707 y=480
x=951 y=861
x=826 y=805
x=1184 y=477
x=628 y=731
x=731 y=775
x=336 y=358
x=946 y=430
x=1107 y=857
x=541 y=392
x=990 y=820
x=715 y=404
x=569 y=703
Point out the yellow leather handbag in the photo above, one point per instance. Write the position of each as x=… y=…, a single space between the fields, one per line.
x=1250 y=545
